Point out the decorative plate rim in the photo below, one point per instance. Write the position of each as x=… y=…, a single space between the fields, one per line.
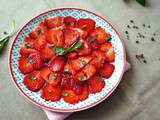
x=67 y=110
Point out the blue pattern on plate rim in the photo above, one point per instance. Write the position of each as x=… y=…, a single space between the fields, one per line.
x=110 y=83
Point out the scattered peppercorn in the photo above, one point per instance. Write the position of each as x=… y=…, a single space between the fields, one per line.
x=5 y=33
x=131 y=21
x=149 y=26
x=144 y=25
x=128 y=26
x=137 y=42
x=152 y=39
x=154 y=34
x=126 y=32
x=144 y=61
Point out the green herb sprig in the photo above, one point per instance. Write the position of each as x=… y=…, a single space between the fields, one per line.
x=4 y=39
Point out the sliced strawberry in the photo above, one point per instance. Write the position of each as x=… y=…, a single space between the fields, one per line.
x=78 y=88
x=40 y=42
x=51 y=93
x=100 y=34
x=69 y=21
x=69 y=69
x=55 y=36
x=24 y=65
x=57 y=64
x=47 y=53
x=41 y=28
x=36 y=60
x=85 y=92
x=70 y=96
x=107 y=70
x=91 y=40
x=26 y=51
x=84 y=50
x=80 y=77
x=86 y=24
x=71 y=36
x=28 y=42
x=89 y=70
x=98 y=59
x=95 y=84
x=33 y=81
x=83 y=34
x=72 y=55
x=53 y=22
x=45 y=72
x=67 y=82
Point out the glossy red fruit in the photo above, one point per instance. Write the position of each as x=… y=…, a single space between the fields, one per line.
x=85 y=49
x=26 y=51
x=70 y=36
x=70 y=96
x=51 y=93
x=57 y=64
x=107 y=70
x=78 y=88
x=69 y=21
x=100 y=34
x=85 y=92
x=69 y=69
x=83 y=34
x=36 y=60
x=40 y=29
x=24 y=65
x=72 y=55
x=67 y=82
x=53 y=22
x=33 y=81
x=40 y=42
x=55 y=36
x=86 y=24
x=80 y=77
x=89 y=70
x=95 y=84
x=45 y=72
x=47 y=53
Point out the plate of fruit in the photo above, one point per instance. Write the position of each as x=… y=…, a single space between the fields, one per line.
x=67 y=59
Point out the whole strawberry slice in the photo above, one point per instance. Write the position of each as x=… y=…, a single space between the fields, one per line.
x=41 y=28
x=24 y=65
x=26 y=51
x=57 y=64
x=84 y=50
x=45 y=72
x=71 y=36
x=67 y=82
x=55 y=36
x=36 y=60
x=85 y=92
x=109 y=51
x=96 y=84
x=40 y=42
x=100 y=34
x=107 y=70
x=47 y=53
x=89 y=70
x=70 y=96
x=33 y=81
x=70 y=21
x=86 y=24
x=51 y=93
x=53 y=22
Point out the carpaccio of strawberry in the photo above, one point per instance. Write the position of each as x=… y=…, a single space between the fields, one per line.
x=67 y=58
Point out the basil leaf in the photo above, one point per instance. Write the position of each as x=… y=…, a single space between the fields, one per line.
x=60 y=50
x=32 y=78
x=77 y=45
x=101 y=78
x=142 y=2
x=64 y=94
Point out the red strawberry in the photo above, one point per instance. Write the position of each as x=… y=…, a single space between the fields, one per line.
x=57 y=64
x=89 y=70
x=45 y=72
x=84 y=50
x=70 y=96
x=72 y=55
x=78 y=88
x=40 y=42
x=36 y=60
x=69 y=69
x=41 y=28
x=107 y=70
x=109 y=52
x=26 y=51
x=67 y=82
x=47 y=53
x=28 y=42
x=95 y=84
x=69 y=21
x=85 y=93
x=86 y=24
x=55 y=37
x=71 y=36
x=33 y=81
x=100 y=34
x=80 y=77
x=24 y=65
x=91 y=40
x=83 y=34
x=51 y=93
x=53 y=22
x=98 y=59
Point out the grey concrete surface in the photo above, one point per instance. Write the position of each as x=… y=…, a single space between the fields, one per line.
x=136 y=98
